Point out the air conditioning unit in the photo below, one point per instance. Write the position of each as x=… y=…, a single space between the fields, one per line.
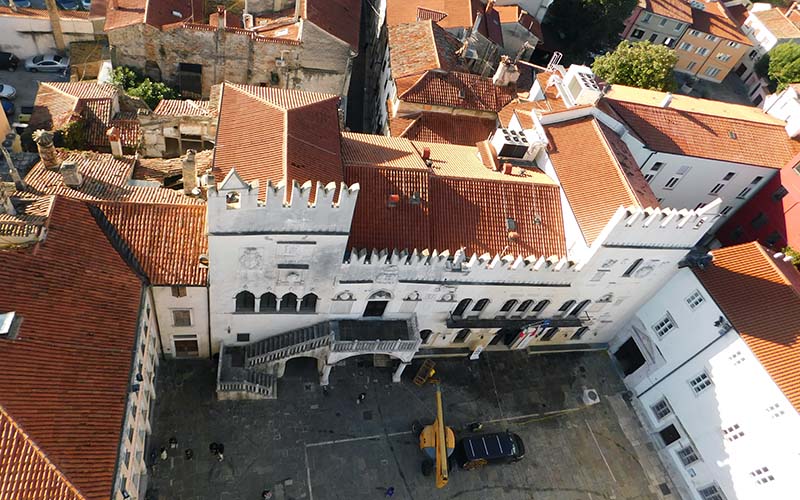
x=590 y=397
x=280 y=62
x=581 y=86
x=510 y=143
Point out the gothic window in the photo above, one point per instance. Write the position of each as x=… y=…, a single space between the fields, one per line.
x=509 y=305
x=579 y=308
x=269 y=303
x=523 y=307
x=480 y=305
x=541 y=306
x=566 y=306
x=289 y=303
x=245 y=302
x=309 y=303
x=461 y=307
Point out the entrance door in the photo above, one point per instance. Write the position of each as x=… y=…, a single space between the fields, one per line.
x=629 y=356
x=375 y=308
x=186 y=346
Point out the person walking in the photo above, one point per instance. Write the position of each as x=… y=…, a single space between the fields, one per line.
x=220 y=451
x=390 y=491
x=361 y=398
x=266 y=495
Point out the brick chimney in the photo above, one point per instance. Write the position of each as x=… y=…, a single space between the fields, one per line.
x=71 y=175
x=47 y=151
x=189 y=172
x=508 y=168
x=220 y=17
x=116 y=143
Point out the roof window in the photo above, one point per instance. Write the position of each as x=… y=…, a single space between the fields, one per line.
x=9 y=325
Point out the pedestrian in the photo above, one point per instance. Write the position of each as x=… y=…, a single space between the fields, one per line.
x=266 y=494
x=188 y=453
x=220 y=451
x=173 y=442
x=390 y=491
x=162 y=453
x=213 y=448
x=361 y=398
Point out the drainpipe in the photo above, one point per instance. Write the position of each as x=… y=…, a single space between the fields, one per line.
x=208 y=308
x=55 y=23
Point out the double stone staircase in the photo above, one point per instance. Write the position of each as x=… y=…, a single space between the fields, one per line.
x=251 y=371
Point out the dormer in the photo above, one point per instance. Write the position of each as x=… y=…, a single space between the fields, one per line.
x=9 y=324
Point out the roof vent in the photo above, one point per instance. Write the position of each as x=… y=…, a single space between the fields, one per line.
x=667 y=100
x=177 y=14
x=732 y=134
x=415 y=198
x=462 y=94
x=513 y=236
x=510 y=143
x=394 y=200
x=511 y=224
x=203 y=260
x=9 y=324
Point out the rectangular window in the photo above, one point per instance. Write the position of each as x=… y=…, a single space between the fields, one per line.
x=638 y=34
x=678 y=26
x=242 y=337
x=762 y=475
x=673 y=181
x=653 y=38
x=743 y=193
x=699 y=206
x=691 y=65
x=701 y=51
x=664 y=325
x=711 y=38
x=779 y=193
x=686 y=46
x=729 y=176
x=670 y=42
x=657 y=166
x=736 y=358
x=726 y=210
x=662 y=22
x=717 y=188
x=694 y=300
x=687 y=455
x=648 y=177
x=733 y=45
x=759 y=221
x=661 y=409
x=700 y=383
x=647 y=17
x=632 y=268
x=179 y=291
x=723 y=57
x=711 y=493
x=732 y=433
x=669 y=435
x=712 y=71
x=181 y=317
x=549 y=334
x=756 y=180
x=775 y=410
x=579 y=333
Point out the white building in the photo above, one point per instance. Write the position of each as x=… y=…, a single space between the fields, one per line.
x=785 y=105
x=711 y=361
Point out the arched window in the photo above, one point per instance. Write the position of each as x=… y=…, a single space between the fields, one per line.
x=232 y=200
x=549 y=334
x=461 y=336
x=541 y=306
x=461 y=307
x=579 y=333
x=245 y=302
x=309 y=303
x=268 y=303
x=566 y=306
x=580 y=307
x=289 y=303
x=509 y=305
x=480 y=305
x=425 y=335
x=628 y=272
x=524 y=306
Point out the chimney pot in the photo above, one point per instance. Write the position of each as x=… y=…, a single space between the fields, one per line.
x=394 y=200
x=189 y=172
x=513 y=236
x=426 y=153
x=508 y=168
x=47 y=151
x=667 y=100
x=71 y=175
x=116 y=144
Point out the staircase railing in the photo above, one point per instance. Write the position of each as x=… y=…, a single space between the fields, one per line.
x=291 y=350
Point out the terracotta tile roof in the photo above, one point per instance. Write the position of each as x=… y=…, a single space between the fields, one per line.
x=459 y=13
x=43 y=14
x=706 y=136
x=444 y=128
x=446 y=89
x=777 y=23
x=574 y=144
x=770 y=325
x=157 y=169
x=31 y=216
x=642 y=191
x=456 y=183
x=525 y=104
x=674 y=9
x=297 y=139
x=165 y=240
x=715 y=21
x=515 y=14
x=25 y=471
x=66 y=374
x=420 y=46
x=157 y=13
x=424 y=14
x=105 y=178
x=340 y=18
x=179 y=107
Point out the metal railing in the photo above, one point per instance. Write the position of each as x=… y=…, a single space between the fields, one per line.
x=375 y=346
x=285 y=352
x=244 y=386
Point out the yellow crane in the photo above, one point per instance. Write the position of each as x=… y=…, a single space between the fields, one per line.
x=437 y=440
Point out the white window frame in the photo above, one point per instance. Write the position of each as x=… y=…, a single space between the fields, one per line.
x=700 y=382
x=665 y=321
x=743 y=193
x=723 y=57
x=691 y=65
x=701 y=51
x=726 y=210
x=712 y=72
x=646 y=18
x=686 y=46
x=717 y=494
x=711 y=38
x=695 y=300
x=661 y=409
x=694 y=33
x=685 y=453
x=678 y=26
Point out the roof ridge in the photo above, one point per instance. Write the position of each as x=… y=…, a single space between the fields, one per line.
x=236 y=86
x=698 y=112
x=49 y=463
x=610 y=151
x=775 y=267
x=432 y=32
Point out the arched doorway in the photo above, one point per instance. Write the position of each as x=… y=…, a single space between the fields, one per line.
x=376 y=304
x=302 y=368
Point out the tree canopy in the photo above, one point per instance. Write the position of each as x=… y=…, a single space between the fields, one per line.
x=784 y=64
x=585 y=27
x=639 y=64
x=147 y=90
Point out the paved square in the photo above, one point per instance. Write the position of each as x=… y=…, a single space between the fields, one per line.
x=322 y=445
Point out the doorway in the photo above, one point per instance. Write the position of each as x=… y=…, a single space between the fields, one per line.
x=629 y=356
x=375 y=308
x=186 y=346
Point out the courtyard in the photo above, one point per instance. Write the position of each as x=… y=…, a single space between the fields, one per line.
x=320 y=444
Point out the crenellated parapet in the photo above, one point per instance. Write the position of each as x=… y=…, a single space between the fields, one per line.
x=234 y=207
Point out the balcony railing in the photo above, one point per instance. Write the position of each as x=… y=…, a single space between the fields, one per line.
x=375 y=346
x=502 y=322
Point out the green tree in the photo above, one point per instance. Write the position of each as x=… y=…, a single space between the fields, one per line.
x=152 y=92
x=784 y=64
x=125 y=77
x=639 y=64
x=584 y=27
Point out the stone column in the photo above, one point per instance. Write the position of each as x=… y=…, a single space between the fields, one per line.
x=47 y=151
x=399 y=371
x=325 y=374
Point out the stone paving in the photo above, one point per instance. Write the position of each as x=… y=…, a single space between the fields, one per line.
x=320 y=444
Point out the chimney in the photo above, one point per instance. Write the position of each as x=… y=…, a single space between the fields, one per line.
x=667 y=100
x=220 y=17
x=116 y=144
x=47 y=151
x=513 y=236
x=189 y=172
x=426 y=153
x=489 y=6
x=508 y=168
x=12 y=169
x=6 y=207
x=71 y=175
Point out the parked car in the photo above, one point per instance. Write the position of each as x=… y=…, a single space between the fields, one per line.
x=8 y=107
x=476 y=451
x=19 y=3
x=86 y=4
x=68 y=4
x=8 y=61
x=47 y=62
x=7 y=91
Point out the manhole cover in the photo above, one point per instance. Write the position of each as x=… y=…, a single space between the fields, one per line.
x=367 y=415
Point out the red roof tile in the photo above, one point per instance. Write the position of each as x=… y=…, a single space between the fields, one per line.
x=574 y=144
x=777 y=23
x=515 y=14
x=706 y=136
x=166 y=240
x=420 y=46
x=455 y=90
x=105 y=178
x=179 y=107
x=298 y=135
x=157 y=13
x=444 y=128
x=30 y=218
x=674 y=9
x=43 y=14
x=459 y=13
x=715 y=21
x=66 y=374
x=340 y=18
x=770 y=325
